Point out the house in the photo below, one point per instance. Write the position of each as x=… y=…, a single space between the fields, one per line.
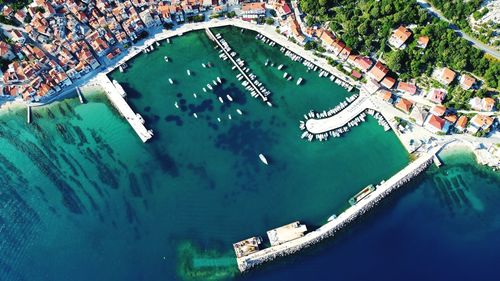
x=461 y=123
x=404 y=105
x=437 y=124
x=296 y=31
x=466 y=81
x=479 y=122
x=253 y=11
x=327 y=38
x=408 y=88
x=345 y=53
x=399 y=37
x=422 y=42
x=356 y=74
x=419 y=114
x=437 y=95
x=282 y=9
x=484 y=104
x=438 y=110
x=338 y=46
x=446 y=76
x=5 y=51
x=451 y=118
x=388 y=82
x=385 y=95
x=363 y=63
x=378 y=71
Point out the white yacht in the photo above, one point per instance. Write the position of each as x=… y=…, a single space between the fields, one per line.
x=229 y=97
x=219 y=80
x=263 y=159
x=299 y=81
x=188 y=72
x=170 y=80
x=239 y=111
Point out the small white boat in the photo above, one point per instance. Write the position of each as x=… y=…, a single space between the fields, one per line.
x=229 y=97
x=280 y=66
x=221 y=100
x=195 y=115
x=165 y=58
x=168 y=40
x=285 y=75
x=176 y=105
x=267 y=62
x=269 y=104
x=195 y=95
x=229 y=116
x=157 y=44
x=219 y=80
x=170 y=80
x=204 y=65
x=209 y=86
x=263 y=159
x=120 y=68
x=239 y=111
x=188 y=72
x=299 y=81
x=204 y=90
x=332 y=217
x=218 y=119
x=214 y=82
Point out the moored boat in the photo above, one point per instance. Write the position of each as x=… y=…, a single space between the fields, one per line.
x=299 y=80
x=362 y=194
x=188 y=72
x=170 y=81
x=263 y=159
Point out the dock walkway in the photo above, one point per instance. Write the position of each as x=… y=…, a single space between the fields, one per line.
x=339 y=120
x=328 y=229
x=247 y=78
x=116 y=97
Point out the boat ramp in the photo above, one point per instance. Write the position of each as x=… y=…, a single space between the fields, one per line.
x=116 y=96
x=294 y=237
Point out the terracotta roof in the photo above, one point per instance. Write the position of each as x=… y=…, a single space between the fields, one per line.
x=436 y=122
x=384 y=94
x=482 y=121
x=327 y=37
x=452 y=118
x=462 y=122
x=378 y=71
x=404 y=105
x=388 y=82
x=423 y=41
x=257 y=6
x=407 y=88
x=355 y=74
x=467 y=81
x=438 y=110
x=447 y=76
x=488 y=104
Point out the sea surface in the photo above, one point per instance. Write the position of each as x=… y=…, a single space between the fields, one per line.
x=82 y=198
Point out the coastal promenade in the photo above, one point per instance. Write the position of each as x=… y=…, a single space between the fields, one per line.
x=336 y=224
x=116 y=96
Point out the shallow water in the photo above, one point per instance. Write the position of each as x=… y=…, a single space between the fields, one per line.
x=83 y=199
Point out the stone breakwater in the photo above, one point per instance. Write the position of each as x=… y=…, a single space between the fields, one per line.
x=330 y=228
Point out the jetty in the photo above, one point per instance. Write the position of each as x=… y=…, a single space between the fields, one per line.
x=28 y=109
x=116 y=96
x=291 y=238
x=80 y=95
x=250 y=82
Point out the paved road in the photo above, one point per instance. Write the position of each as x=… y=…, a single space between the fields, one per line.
x=475 y=42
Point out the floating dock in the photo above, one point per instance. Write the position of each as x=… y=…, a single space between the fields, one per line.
x=247 y=78
x=116 y=96
x=297 y=240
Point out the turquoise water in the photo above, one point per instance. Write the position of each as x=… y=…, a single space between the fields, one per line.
x=83 y=199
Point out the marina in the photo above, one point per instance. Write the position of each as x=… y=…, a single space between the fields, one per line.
x=239 y=64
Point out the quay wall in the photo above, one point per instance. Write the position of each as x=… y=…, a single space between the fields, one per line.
x=331 y=227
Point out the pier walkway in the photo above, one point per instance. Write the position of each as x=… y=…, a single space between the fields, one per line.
x=339 y=120
x=116 y=94
x=247 y=78
x=328 y=229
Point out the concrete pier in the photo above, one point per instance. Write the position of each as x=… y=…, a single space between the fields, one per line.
x=247 y=78
x=116 y=96
x=385 y=188
x=28 y=113
x=80 y=95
